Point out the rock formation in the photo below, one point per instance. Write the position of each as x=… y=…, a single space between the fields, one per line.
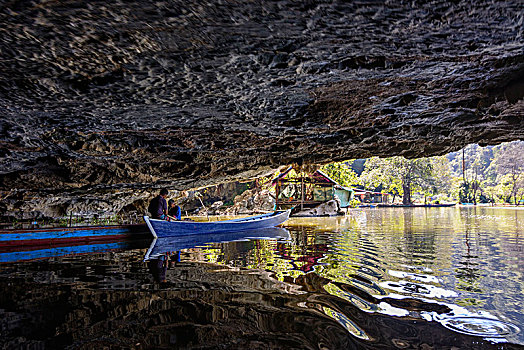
x=253 y=201
x=101 y=101
x=329 y=208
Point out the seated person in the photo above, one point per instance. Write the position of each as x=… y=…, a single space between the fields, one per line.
x=158 y=206
x=174 y=210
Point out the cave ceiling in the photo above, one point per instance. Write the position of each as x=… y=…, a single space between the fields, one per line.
x=134 y=94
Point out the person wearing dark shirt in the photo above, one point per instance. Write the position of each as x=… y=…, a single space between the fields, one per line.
x=174 y=210
x=158 y=206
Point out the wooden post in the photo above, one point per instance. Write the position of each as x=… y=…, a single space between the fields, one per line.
x=302 y=192
x=463 y=166
x=277 y=190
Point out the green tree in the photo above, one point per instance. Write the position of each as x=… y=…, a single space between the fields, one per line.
x=405 y=175
x=503 y=189
x=509 y=162
x=490 y=191
x=341 y=173
x=377 y=174
x=439 y=180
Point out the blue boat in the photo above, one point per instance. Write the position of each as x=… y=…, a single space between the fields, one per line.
x=47 y=236
x=163 y=228
x=161 y=246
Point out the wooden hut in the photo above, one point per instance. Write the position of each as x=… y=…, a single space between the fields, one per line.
x=295 y=188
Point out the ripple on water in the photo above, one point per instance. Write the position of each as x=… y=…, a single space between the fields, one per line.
x=420 y=289
x=480 y=326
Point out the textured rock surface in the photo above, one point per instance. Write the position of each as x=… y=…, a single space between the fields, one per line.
x=253 y=201
x=329 y=208
x=98 y=98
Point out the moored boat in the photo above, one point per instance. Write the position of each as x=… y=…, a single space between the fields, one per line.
x=434 y=205
x=47 y=236
x=162 y=228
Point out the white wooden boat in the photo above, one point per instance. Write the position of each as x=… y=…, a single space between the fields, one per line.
x=163 y=228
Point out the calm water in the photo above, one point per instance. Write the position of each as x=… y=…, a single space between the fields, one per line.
x=424 y=278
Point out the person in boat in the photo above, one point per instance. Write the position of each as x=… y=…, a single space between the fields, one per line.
x=158 y=206
x=174 y=210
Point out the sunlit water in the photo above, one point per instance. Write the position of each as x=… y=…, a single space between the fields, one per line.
x=376 y=278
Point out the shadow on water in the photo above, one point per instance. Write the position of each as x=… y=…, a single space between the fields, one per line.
x=382 y=279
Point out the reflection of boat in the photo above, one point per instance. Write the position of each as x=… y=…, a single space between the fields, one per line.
x=165 y=245
x=162 y=228
x=66 y=235
x=21 y=253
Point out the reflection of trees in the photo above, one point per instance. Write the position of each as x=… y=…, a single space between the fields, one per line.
x=469 y=274
x=419 y=246
x=283 y=258
x=366 y=244
x=518 y=224
x=241 y=254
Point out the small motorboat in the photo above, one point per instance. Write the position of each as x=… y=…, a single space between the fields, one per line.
x=163 y=228
x=161 y=246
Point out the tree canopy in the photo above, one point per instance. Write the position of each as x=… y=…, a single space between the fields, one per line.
x=474 y=174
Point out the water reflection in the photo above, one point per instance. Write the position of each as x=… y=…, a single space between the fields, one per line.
x=377 y=278
x=158 y=267
x=166 y=245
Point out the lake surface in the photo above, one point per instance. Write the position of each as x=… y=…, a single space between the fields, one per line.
x=413 y=278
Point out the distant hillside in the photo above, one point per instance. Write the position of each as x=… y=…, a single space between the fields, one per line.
x=478 y=159
x=472 y=153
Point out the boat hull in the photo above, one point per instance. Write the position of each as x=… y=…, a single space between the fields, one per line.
x=47 y=236
x=443 y=205
x=162 y=228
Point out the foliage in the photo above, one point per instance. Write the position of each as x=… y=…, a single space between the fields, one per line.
x=509 y=163
x=464 y=193
x=353 y=203
x=379 y=174
x=475 y=175
x=401 y=176
x=341 y=173
x=489 y=174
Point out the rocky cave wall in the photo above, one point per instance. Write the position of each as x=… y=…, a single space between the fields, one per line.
x=102 y=104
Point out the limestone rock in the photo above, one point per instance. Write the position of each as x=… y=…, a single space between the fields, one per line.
x=253 y=201
x=96 y=99
x=329 y=208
